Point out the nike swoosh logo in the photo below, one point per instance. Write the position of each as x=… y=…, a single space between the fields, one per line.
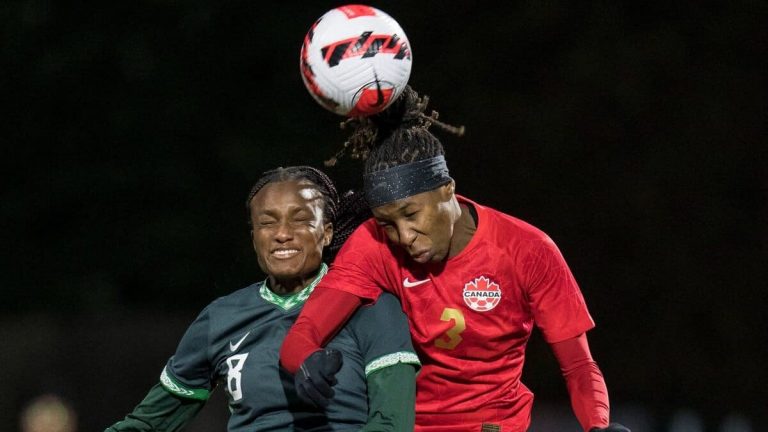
x=410 y=284
x=235 y=346
x=379 y=93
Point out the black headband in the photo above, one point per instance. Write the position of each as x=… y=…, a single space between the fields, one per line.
x=401 y=181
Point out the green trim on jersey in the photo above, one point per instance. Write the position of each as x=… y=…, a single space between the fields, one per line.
x=175 y=387
x=391 y=360
x=288 y=302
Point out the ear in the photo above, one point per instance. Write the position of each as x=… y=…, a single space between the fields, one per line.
x=447 y=190
x=253 y=240
x=327 y=233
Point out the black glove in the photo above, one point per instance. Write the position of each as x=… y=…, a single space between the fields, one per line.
x=613 y=427
x=317 y=375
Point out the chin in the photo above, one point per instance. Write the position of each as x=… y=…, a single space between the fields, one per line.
x=436 y=259
x=285 y=271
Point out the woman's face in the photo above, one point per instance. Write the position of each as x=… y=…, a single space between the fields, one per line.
x=289 y=232
x=422 y=224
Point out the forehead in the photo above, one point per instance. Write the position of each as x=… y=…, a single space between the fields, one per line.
x=286 y=194
x=396 y=207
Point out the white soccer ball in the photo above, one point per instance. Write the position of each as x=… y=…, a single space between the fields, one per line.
x=355 y=60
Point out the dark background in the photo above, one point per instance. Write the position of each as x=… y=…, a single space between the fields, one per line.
x=633 y=133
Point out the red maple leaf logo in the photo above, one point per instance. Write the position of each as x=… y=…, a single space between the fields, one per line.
x=483 y=284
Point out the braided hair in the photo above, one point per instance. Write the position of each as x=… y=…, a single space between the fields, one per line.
x=353 y=211
x=318 y=178
x=398 y=135
x=345 y=213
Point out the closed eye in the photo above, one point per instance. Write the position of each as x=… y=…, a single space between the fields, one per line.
x=307 y=221
x=386 y=225
x=389 y=230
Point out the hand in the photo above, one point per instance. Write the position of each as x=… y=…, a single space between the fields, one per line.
x=613 y=427
x=317 y=375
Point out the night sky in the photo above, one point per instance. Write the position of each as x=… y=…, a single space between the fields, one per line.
x=633 y=133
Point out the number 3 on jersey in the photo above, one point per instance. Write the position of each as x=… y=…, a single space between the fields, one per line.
x=452 y=337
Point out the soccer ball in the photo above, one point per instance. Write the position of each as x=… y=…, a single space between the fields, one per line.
x=355 y=60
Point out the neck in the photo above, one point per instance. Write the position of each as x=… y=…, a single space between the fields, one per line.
x=290 y=285
x=463 y=230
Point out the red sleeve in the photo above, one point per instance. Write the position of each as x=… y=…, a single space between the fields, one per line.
x=324 y=314
x=359 y=268
x=558 y=307
x=356 y=276
x=586 y=386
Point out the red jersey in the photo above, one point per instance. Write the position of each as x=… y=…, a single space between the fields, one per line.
x=471 y=315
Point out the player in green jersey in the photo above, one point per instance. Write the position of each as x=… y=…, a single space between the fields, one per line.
x=235 y=340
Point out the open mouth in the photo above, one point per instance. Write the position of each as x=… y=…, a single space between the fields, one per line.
x=284 y=253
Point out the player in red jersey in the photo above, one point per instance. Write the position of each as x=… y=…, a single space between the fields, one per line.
x=473 y=282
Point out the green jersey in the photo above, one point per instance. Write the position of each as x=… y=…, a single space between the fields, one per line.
x=236 y=339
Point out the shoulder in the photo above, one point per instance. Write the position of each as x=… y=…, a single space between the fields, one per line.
x=386 y=309
x=386 y=304
x=367 y=244
x=382 y=333
x=235 y=300
x=214 y=326
x=367 y=233
x=218 y=313
x=507 y=229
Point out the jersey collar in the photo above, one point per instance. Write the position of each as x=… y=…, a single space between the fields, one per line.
x=290 y=301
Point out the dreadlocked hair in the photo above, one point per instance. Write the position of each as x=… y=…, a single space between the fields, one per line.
x=313 y=175
x=398 y=135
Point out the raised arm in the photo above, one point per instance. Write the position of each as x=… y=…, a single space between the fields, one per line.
x=324 y=314
x=354 y=278
x=351 y=280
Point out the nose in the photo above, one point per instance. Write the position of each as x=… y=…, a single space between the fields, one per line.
x=283 y=233
x=405 y=236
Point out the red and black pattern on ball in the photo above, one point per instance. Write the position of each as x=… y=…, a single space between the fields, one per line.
x=403 y=51
x=370 y=99
x=308 y=73
x=311 y=32
x=366 y=45
x=392 y=44
x=306 y=68
x=354 y=11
